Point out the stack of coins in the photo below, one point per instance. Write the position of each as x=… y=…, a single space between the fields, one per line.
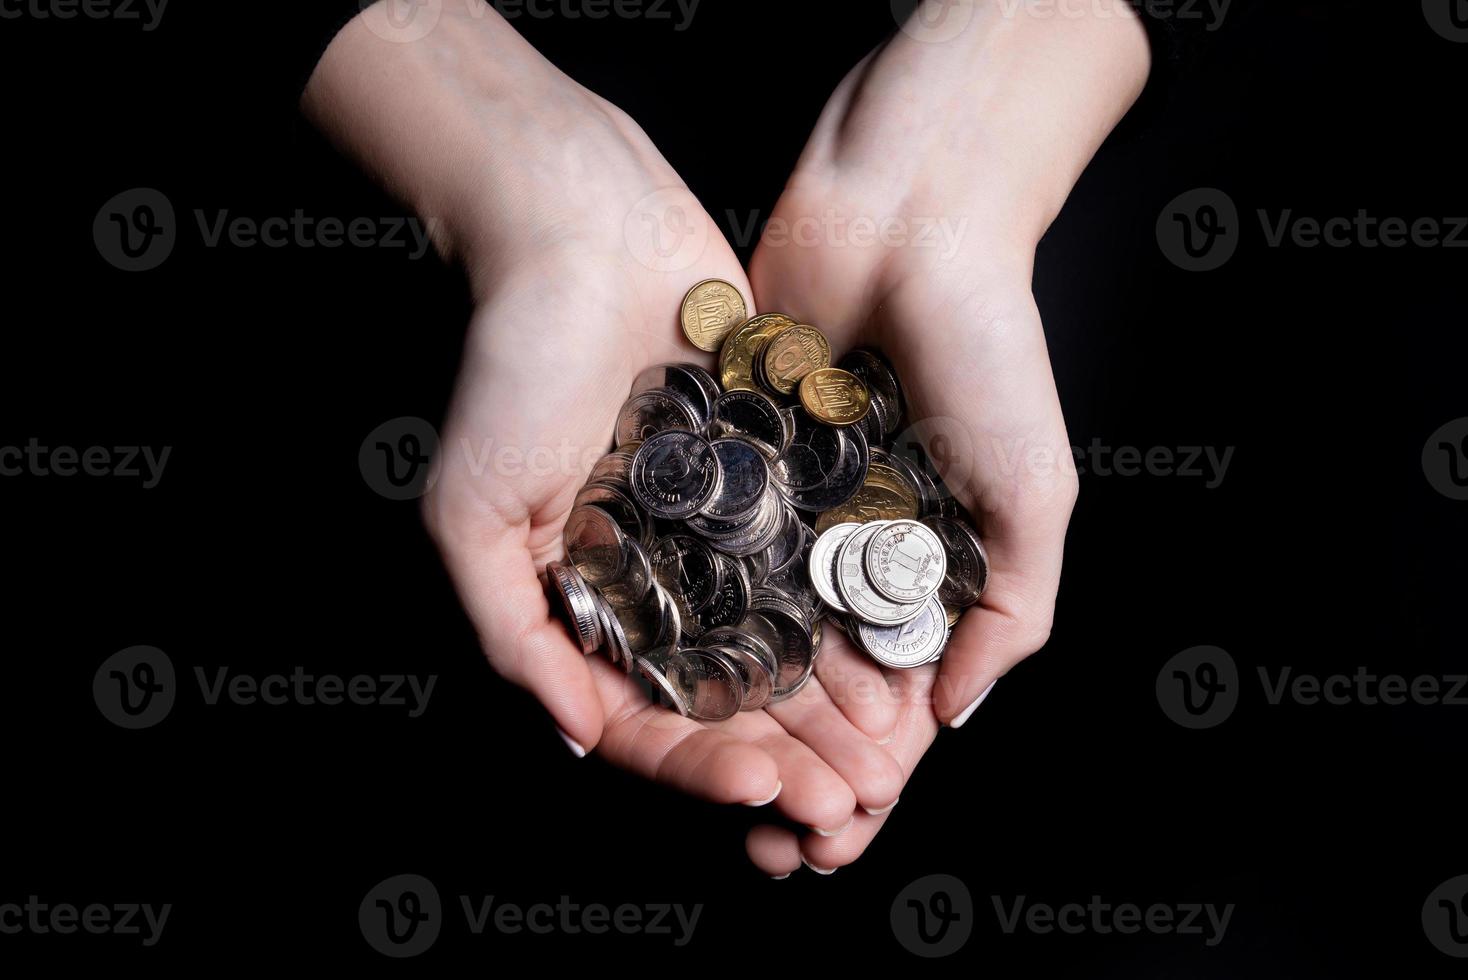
x=735 y=516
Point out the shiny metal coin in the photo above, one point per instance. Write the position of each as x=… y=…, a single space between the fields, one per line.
x=652 y=666
x=785 y=550
x=814 y=454
x=596 y=545
x=753 y=416
x=880 y=377
x=905 y=561
x=689 y=380
x=793 y=645
x=675 y=474
x=967 y=574
x=729 y=604
x=755 y=678
x=631 y=587
x=687 y=569
x=617 y=502
x=576 y=606
x=844 y=482
x=650 y=412
x=709 y=683
x=918 y=641
x=857 y=592
x=744 y=478
x=615 y=467
x=825 y=554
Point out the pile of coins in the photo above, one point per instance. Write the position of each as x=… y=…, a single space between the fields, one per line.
x=736 y=516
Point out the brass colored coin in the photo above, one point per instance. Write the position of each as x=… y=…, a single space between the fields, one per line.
x=893 y=479
x=792 y=355
x=743 y=345
x=711 y=310
x=834 y=396
x=875 y=501
x=952 y=613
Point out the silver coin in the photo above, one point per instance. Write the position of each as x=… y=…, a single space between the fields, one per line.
x=612 y=468
x=616 y=501
x=744 y=477
x=793 y=645
x=857 y=592
x=905 y=561
x=596 y=545
x=757 y=565
x=755 y=678
x=967 y=573
x=670 y=622
x=918 y=641
x=689 y=380
x=739 y=636
x=687 y=569
x=576 y=605
x=652 y=666
x=845 y=481
x=730 y=603
x=650 y=412
x=631 y=587
x=675 y=474
x=825 y=554
x=709 y=682
x=618 y=650
x=814 y=454
x=786 y=548
x=759 y=535
x=753 y=416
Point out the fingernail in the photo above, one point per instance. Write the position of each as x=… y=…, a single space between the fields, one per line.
x=768 y=799
x=577 y=749
x=838 y=831
x=888 y=739
x=819 y=871
x=889 y=806
x=964 y=715
x=780 y=877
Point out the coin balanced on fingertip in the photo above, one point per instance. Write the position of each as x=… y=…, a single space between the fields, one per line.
x=741 y=512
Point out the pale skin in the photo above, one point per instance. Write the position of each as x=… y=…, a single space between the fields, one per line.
x=529 y=180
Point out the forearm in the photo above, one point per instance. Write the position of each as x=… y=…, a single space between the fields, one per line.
x=458 y=124
x=1011 y=109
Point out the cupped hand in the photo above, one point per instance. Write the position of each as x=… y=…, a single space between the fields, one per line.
x=580 y=242
x=910 y=225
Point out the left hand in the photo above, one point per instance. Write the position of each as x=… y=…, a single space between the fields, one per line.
x=910 y=226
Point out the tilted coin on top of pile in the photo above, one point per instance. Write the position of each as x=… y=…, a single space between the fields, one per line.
x=736 y=515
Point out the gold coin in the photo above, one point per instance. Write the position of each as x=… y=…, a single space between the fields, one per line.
x=895 y=480
x=952 y=613
x=711 y=310
x=792 y=355
x=743 y=345
x=873 y=502
x=834 y=396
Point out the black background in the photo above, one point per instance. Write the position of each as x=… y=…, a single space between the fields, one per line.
x=1324 y=548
